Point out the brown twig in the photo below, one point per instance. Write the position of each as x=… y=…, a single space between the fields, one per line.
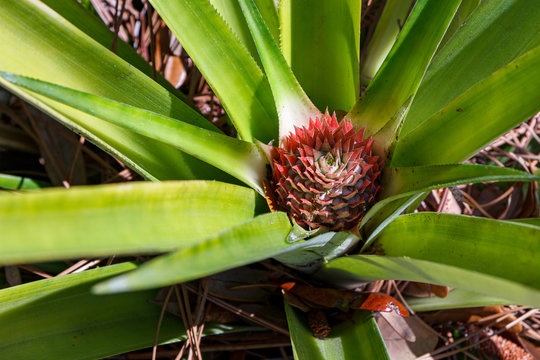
x=161 y=315
x=117 y=20
x=74 y=267
x=440 y=354
x=35 y=270
x=246 y=315
x=78 y=151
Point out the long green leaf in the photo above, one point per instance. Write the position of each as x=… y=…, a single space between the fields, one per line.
x=400 y=75
x=454 y=300
x=61 y=53
x=462 y=14
x=269 y=12
x=225 y=63
x=357 y=338
x=320 y=40
x=479 y=115
x=401 y=183
x=236 y=157
x=384 y=141
x=59 y=318
x=353 y=271
x=251 y=241
x=532 y=221
x=308 y=256
x=118 y=219
x=293 y=106
x=476 y=243
x=388 y=27
x=12 y=182
x=383 y=213
x=486 y=256
x=496 y=33
x=232 y=14
x=91 y=25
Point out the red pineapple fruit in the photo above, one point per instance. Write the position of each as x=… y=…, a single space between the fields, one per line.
x=325 y=175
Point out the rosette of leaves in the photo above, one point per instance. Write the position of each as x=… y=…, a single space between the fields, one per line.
x=458 y=75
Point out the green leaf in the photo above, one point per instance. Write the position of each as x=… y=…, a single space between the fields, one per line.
x=474 y=242
x=388 y=27
x=58 y=318
x=532 y=221
x=62 y=53
x=496 y=33
x=236 y=157
x=353 y=271
x=473 y=254
x=479 y=115
x=231 y=12
x=356 y=338
x=293 y=106
x=307 y=256
x=382 y=214
x=254 y=240
x=384 y=141
x=269 y=12
x=460 y=19
x=402 y=71
x=94 y=27
x=233 y=16
x=456 y=299
x=131 y=218
x=11 y=182
x=401 y=183
x=320 y=40
x=263 y=237
x=225 y=63
x=88 y=6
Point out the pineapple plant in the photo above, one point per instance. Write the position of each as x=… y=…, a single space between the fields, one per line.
x=335 y=187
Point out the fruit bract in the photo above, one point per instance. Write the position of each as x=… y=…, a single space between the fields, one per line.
x=325 y=175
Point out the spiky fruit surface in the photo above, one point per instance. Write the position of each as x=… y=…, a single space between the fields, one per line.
x=325 y=175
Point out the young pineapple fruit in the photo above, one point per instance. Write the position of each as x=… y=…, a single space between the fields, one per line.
x=324 y=175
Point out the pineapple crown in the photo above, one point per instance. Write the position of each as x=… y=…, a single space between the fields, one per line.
x=324 y=175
